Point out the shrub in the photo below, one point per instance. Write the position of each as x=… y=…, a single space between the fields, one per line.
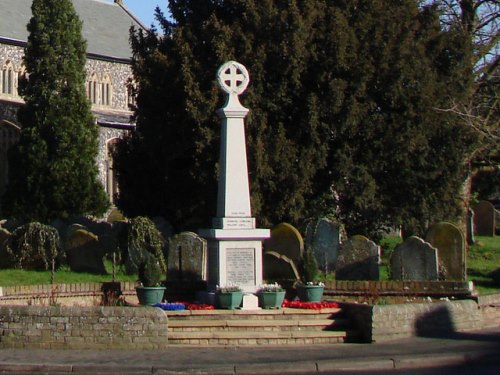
x=150 y=272
x=308 y=267
x=141 y=239
x=34 y=246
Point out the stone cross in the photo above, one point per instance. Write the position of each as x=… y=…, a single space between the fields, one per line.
x=234 y=242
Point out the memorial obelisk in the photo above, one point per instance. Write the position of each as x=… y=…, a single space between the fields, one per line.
x=234 y=243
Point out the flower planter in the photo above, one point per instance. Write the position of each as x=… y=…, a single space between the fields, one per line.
x=310 y=293
x=229 y=300
x=271 y=300
x=150 y=295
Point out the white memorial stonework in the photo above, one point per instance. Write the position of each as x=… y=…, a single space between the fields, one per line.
x=234 y=243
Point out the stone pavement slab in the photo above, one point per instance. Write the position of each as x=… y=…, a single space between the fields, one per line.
x=481 y=347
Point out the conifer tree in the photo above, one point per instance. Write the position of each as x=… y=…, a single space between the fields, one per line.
x=343 y=119
x=52 y=170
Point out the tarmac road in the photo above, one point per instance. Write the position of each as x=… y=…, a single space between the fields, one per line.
x=463 y=353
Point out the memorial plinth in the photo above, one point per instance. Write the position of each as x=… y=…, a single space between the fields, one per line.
x=234 y=243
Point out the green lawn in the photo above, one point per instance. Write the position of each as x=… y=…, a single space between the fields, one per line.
x=484 y=257
x=13 y=277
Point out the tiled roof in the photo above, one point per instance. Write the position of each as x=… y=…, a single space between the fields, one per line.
x=105 y=25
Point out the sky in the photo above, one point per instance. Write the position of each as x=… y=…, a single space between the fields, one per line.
x=145 y=9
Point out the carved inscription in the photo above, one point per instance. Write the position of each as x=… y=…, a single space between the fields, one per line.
x=240 y=266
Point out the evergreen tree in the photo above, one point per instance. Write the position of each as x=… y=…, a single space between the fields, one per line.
x=343 y=118
x=52 y=170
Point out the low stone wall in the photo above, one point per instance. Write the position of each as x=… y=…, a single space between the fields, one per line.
x=382 y=323
x=60 y=327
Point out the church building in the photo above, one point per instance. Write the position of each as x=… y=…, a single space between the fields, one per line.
x=106 y=26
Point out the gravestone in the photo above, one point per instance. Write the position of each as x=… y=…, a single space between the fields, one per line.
x=484 y=219
x=286 y=240
x=84 y=251
x=358 y=259
x=4 y=257
x=414 y=259
x=323 y=238
x=187 y=257
x=450 y=243
x=287 y=244
x=163 y=226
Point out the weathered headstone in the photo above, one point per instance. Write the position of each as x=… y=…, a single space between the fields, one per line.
x=187 y=257
x=286 y=240
x=484 y=219
x=495 y=276
x=414 y=259
x=4 y=258
x=278 y=267
x=358 y=259
x=323 y=238
x=84 y=251
x=163 y=226
x=450 y=242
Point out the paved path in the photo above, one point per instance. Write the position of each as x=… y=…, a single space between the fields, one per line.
x=479 y=349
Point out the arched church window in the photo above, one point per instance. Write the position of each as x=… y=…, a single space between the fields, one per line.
x=7 y=78
x=106 y=92
x=111 y=177
x=131 y=94
x=92 y=89
x=9 y=135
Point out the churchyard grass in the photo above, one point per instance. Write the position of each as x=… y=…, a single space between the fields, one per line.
x=483 y=258
x=11 y=277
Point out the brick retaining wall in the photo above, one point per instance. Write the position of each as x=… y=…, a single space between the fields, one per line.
x=60 y=327
x=397 y=287
x=382 y=323
x=83 y=288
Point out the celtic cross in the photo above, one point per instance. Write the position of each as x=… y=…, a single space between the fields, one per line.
x=233 y=78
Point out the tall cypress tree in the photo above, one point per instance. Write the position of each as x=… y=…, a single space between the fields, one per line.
x=52 y=170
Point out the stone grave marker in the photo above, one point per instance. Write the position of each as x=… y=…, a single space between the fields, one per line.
x=187 y=257
x=414 y=259
x=84 y=251
x=287 y=244
x=450 y=243
x=4 y=258
x=323 y=238
x=484 y=219
x=286 y=240
x=358 y=259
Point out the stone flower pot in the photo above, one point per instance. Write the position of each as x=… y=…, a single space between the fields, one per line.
x=229 y=300
x=310 y=293
x=150 y=295
x=271 y=300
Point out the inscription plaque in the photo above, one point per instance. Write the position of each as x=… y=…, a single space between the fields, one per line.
x=240 y=266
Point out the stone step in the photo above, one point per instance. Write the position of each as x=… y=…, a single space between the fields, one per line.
x=257 y=327
x=278 y=314
x=256 y=324
x=256 y=338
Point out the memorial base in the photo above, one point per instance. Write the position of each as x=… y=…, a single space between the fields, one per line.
x=235 y=258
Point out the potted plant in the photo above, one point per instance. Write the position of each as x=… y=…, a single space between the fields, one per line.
x=271 y=296
x=150 y=292
x=229 y=297
x=308 y=288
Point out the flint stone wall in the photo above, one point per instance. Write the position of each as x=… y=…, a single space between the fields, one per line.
x=59 y=327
